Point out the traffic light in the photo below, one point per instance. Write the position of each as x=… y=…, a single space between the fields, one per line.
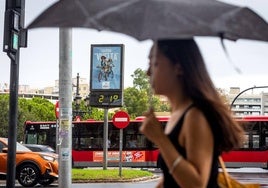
x=15 y=36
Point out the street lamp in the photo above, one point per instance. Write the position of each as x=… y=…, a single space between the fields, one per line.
x=87 y=100
x=77 y=101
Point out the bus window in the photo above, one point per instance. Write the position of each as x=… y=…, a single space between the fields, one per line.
x=131 y=141
x=37 y=138
x=113 y=139
x=246 y=141
x=142 y=141
x=256 y=141
x=31 y=138
x=42 y=138
x=88 y=136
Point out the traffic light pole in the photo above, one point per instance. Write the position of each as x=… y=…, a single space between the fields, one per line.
x=13 y=121
x=14 y=38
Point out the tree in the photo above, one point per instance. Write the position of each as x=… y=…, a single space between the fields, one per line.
x=224 y=96
x=139 y=98
x=91 y=112
x=4 y=114
x=141 y=80
x=135 y=101
x=36 y=109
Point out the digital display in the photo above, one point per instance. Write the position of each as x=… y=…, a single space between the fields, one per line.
x=15 y=41
x=106 y=75
x=106 y=99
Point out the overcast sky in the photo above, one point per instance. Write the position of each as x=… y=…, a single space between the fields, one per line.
x=39 y=62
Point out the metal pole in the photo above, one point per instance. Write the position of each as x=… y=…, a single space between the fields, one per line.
x=77 y=84
x=77 y=95
x=120 y=151
x=57 y=136
x=65 y=100
x=13 y=121
x=255 y=87
x=105 y=139
x=13 y=99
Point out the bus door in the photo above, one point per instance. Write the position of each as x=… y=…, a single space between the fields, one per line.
x=264 y=135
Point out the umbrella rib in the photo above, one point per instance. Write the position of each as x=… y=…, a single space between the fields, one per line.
x=115 y=8
x=84 y=11
x=94 y=19
x=86 y=14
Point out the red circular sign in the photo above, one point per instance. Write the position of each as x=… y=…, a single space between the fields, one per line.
x=121 y=119
x=57 y=110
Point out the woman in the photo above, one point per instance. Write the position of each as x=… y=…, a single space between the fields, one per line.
x=200 y=126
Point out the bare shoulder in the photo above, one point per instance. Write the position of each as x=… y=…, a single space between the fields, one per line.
x=197 y=135
x=195 y=119
x=194 y=113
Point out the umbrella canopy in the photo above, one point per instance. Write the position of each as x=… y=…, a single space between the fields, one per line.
x=157 y=19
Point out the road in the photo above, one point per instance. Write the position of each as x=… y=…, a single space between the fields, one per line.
x=242 y=175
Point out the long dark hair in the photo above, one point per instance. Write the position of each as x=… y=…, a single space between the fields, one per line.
x=200 y=88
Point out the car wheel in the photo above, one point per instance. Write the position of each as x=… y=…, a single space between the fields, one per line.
x=28 y=175
x=46 y=182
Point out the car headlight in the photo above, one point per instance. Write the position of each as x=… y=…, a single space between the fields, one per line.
x=48 y=158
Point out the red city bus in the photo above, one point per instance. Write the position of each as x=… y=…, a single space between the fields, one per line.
x=137 y=150
x=87 y=142
x=254 y=152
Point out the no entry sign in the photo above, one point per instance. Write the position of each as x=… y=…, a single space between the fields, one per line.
x=121 y=119
x=57 y=110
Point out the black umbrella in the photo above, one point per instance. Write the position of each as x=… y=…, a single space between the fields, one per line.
x=157 y=19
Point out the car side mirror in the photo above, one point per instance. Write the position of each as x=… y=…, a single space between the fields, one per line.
x=4 y=150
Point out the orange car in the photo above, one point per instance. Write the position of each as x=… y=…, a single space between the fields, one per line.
x=31 y=167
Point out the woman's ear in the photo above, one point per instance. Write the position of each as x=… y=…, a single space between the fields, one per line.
x=178 y=69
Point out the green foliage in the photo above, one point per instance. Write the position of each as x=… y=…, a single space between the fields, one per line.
x=96 y=114
x=4 y=114
x=36 y=109
x=137 y=99
x=141 y=80
x=90 y=112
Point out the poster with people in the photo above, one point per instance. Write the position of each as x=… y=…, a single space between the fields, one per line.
x=106 y=67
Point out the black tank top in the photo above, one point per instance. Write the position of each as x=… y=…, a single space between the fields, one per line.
x=169 y=182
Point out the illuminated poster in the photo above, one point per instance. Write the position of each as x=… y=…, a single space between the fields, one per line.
x=106 y=75
x=106 y=67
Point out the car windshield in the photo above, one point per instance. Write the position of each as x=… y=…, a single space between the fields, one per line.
x=49 y=149
x=20 y=147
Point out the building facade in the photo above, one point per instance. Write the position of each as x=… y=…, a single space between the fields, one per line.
x=248 y=103
x=51 y=92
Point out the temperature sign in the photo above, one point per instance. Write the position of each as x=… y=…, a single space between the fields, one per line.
x=106 y=99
